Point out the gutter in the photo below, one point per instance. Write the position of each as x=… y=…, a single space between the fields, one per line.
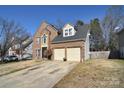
x=68 y=41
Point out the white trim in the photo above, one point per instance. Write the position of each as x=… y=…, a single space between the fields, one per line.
x=87 y=46
x=66 y=28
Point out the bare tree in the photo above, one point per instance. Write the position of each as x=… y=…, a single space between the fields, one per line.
x=114 y=17
x=23 y=40
x=59 y=23
x=11 y=34
x=96 y=38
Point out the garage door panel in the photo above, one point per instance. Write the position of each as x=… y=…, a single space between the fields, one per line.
x=59 y=54
x=73 y=54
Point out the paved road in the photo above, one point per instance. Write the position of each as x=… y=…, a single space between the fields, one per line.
x=45 y=75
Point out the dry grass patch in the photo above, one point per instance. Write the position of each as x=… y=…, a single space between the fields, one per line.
x=16 y=66
x=95 y=73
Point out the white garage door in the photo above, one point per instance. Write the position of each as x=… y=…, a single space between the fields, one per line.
x=73 y=54
x=59 y=54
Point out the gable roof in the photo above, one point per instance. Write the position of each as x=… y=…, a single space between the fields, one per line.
x=67 y=24
x=80 y=34
x=47 y=24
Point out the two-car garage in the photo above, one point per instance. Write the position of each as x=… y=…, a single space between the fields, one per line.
x=71 y=54
x=59 y=54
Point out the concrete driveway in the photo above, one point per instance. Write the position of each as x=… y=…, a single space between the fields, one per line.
x=45 y=75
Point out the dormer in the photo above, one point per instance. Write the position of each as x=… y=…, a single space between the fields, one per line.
x=68 y=30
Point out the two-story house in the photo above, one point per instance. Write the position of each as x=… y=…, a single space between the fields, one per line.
x=21 y=50
x=71 y=44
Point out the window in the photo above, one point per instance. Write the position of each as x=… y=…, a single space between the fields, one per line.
x=44 y=39
x=70 y=31
x=38 y=40
x=38 y=52
x=66 y=32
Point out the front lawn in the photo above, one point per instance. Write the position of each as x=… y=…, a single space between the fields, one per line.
x=16 y=66
x=95 y=73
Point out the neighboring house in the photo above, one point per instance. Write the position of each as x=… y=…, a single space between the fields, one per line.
x=24 y=50
x=72 y=44
x=27 y=52
x=121 y=43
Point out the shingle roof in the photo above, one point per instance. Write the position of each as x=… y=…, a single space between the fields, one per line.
x=80 y=34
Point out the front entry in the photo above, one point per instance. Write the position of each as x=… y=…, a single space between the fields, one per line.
x=44 y=52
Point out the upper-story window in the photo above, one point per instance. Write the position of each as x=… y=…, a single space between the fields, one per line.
x=68 y=30
x=38 y=40
x=44 y=39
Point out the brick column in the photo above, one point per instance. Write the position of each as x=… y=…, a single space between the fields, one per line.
x=81 y=54
x=66 y=53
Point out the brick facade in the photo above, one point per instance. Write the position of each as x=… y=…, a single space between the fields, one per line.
x=51 y=33
x=70 y=44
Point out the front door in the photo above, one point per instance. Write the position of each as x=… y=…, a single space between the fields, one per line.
x=44 y=50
